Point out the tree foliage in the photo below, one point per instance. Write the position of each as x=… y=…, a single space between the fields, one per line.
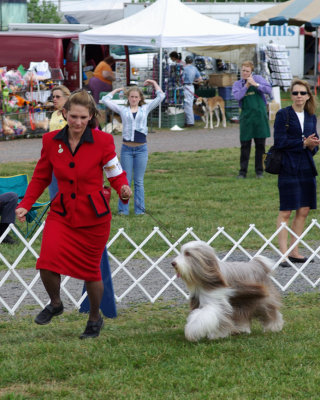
x=43 y=12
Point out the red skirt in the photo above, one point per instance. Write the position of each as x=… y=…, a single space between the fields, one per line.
x=74 y=252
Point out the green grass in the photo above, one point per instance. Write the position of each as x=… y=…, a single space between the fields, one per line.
x=190 y=189
x=143 y=355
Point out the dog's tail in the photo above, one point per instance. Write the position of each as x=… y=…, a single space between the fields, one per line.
x=266 y=263
x=246 y=294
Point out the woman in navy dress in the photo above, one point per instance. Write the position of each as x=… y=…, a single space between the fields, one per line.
x=295 y=133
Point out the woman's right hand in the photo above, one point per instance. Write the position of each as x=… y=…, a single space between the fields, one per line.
x=21 y=214
x=311 y=141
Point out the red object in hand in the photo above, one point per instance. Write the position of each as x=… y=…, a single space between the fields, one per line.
x=107 y=193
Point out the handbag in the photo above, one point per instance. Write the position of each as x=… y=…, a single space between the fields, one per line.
x=272 y=160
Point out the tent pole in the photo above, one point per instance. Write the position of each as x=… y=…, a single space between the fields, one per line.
x=80 y=66
x=160 y=82
x=315 y=70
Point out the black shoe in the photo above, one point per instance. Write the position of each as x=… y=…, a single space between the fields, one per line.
x=259 y=176
x=9 y=240
x=45 y=316
x=241 y=176
x=188 y=125
x=299 y=260
x=93 y=329
x=284 y=264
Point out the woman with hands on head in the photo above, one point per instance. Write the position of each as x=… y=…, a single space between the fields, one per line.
x=134 y=151
x=78 y=224
x=295 y=133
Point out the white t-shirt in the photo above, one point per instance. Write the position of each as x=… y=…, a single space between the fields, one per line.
x=300 y=116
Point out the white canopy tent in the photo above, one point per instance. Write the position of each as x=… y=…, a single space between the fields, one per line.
x=97 y=12
x=169 y=23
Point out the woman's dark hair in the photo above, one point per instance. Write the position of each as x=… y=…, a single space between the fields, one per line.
x=175 y=55
x=81 y=97
x=109 y=60
x=310 y=105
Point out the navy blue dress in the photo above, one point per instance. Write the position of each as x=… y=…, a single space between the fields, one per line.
x=296 y=182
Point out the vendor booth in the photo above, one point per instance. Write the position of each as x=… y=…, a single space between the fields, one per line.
x=170 y=24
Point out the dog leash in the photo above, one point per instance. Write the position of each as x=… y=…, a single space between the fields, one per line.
x=155 y=219
x=184 y=87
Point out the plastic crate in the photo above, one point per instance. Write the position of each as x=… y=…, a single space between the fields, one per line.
x=226 y=93
x=168 y=121
x=231 y=103
x=205 y=92
x=232 y=113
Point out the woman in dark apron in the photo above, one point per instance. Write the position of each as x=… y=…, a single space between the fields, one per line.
x=254 y=124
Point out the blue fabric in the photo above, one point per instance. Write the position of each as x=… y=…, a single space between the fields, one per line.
x=190 y=73
x=8 y=204
x=108 y=304
x=188 y=104
x=129 y=123
x=290 y=141
x=134 y=161
x=296 y=182
x=53 y=187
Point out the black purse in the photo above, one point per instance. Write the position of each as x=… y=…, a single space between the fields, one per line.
x=272 y=160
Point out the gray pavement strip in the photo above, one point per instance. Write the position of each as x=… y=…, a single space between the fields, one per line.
x=12 y=289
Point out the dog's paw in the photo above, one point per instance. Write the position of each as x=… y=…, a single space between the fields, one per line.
x=275 y=325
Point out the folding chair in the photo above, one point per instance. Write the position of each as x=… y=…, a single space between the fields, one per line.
x=18 y=184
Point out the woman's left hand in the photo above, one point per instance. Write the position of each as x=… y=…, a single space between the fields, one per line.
x=311 y=141
x=149 y=82
x=125 y=192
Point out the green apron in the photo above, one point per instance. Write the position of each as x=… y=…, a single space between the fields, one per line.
x=254 y=121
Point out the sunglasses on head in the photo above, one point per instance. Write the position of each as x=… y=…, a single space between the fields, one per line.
x=303 y=93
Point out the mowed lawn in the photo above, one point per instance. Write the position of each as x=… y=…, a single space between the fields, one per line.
x=142 y=354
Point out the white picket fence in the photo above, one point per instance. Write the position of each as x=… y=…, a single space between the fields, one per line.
x=140 y=277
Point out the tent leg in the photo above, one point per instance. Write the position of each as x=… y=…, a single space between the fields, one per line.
x=160 y=82
x=315 y=73
x=80 y=66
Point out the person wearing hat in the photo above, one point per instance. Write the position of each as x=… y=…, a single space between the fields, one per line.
x=191 y=75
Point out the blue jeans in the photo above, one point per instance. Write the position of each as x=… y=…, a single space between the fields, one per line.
x=134 y=161
x=188 y=104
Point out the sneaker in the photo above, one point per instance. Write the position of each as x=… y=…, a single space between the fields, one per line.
x=259 y=176
x=45 y=316
x=93 y=329
x=241 y=176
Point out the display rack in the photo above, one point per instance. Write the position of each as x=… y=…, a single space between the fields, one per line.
x=121 y=75
x=25 y=109
x=279 y=65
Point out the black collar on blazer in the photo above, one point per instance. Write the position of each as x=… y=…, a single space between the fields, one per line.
x=86 y=137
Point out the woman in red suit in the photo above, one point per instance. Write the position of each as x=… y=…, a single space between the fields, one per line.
x=78 y=224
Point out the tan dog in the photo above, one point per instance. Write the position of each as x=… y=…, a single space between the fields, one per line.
x=209 y=105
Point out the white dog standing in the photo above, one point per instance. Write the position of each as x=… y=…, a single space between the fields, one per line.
x=226 y=296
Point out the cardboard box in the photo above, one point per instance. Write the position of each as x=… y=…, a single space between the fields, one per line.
x=222 y=80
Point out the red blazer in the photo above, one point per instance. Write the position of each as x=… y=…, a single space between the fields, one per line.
x=79 y=201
